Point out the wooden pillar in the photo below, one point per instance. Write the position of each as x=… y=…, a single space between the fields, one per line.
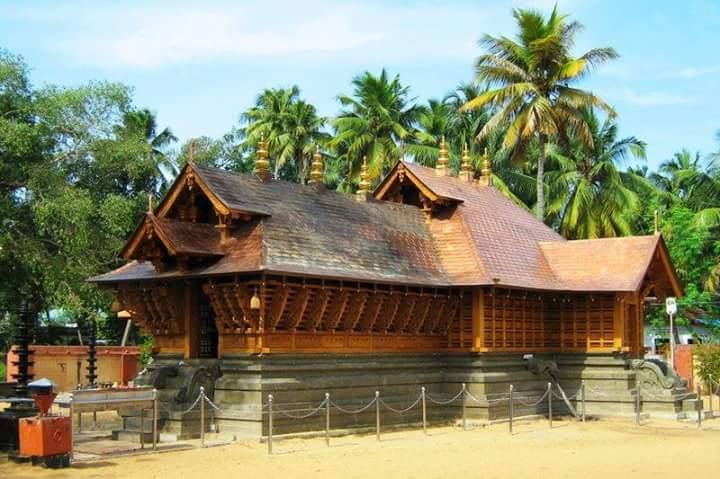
x=190 y=313
x=640 y=330
x=478 y=318
x=619 y=322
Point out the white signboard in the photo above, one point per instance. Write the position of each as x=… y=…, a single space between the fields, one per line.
x=670 y=306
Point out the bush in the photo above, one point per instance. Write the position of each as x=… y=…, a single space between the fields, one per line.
x=708 y=359
x=146 y=348
x=3 y=369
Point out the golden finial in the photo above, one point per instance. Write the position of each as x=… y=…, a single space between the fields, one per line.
x=316 y=173
x=443 y=160
x=466 y=170
x=262 y=165
x=364 y=186
x=486 y=177
x=657 y=222
x=150 y=203
x=191 y=156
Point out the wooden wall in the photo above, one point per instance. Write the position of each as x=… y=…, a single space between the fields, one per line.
x=303 y=315
x=524 y=321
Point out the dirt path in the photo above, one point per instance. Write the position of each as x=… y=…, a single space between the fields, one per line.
x=570 y=450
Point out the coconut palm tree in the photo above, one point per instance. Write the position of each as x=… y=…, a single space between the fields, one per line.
x=143 y=123
x=290 y=126
x=434 y=122
x=531 y=81
x=589 y=197
x=376 y=121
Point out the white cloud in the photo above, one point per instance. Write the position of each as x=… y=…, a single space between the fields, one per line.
x=691 y=72
x=147 y=35
x=655 y=98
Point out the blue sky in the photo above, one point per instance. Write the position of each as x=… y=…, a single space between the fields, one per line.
x=199 y=64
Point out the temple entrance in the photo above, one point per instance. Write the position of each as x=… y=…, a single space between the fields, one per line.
x=208 y=344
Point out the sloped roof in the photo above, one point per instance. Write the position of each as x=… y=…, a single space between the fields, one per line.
x=608 y=264
x=503 y=235
x=481 y=237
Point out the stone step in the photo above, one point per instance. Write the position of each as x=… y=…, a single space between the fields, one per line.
x=132 y=436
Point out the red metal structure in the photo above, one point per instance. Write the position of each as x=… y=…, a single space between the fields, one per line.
x=46 y=439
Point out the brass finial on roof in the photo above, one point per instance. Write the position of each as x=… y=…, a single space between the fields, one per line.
x=150 y=203
x=364 y=186
x=316 y=173
x=466 y=169
x=262 y=165
x=191 y=153
x=486 y=174
x=657 y=222
x=443 y=160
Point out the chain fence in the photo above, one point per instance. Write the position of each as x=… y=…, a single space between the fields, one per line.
x=462 y=399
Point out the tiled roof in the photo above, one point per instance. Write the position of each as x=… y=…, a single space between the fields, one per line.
x=504 y=236
x=189 y=238
x=479 y=238
x=610 y=264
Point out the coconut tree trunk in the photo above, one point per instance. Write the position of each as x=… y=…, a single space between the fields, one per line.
x=540 y=207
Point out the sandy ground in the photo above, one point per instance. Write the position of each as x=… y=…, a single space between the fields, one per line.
x=596 y=449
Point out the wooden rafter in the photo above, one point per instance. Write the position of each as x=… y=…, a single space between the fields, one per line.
x=450 y=313
x=298 y=308
x=437 y=315
x=277 y=308
x=390 y=309
x=372 y=310
x=335 y=314
x=318 y=309
x=422 y=314
x=405 y=313
x=354 y=310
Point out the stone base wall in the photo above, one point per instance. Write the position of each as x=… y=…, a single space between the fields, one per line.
x=298 y=383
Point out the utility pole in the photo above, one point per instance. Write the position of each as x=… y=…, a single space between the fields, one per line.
x=671 y=310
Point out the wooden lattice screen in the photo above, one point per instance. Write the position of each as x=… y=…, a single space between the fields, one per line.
x=524 y=321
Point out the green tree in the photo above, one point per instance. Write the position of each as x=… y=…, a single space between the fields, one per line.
x=530 y=80
x=588 y=196
x=376 y=122
x=79 y=164
x=143 y=124
x=291 y=127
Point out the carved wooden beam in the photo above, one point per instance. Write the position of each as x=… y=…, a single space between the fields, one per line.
x=372 y=311
x=449 y=315
x=335 y=314
x=405 y=313
x=298 y=308
x=277 y=308
x=318 y=309
x=153 y=316
x=421 y=311
x=250 y=317
x=436 y=316
x=212 y=291
x=354 y=310
x=390 y=309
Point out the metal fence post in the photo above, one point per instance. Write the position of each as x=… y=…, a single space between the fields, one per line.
x=710 y=391
x=142 y=427
x=582 y=400
x=638 y=403
x=155 y=419
x=464 y=409
x=511 y=408
x=377 y=415
x=550 y=411
x=424 y=410
x=270 y=423
x=202 y=416
x=327 y=419
x=699 y=405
